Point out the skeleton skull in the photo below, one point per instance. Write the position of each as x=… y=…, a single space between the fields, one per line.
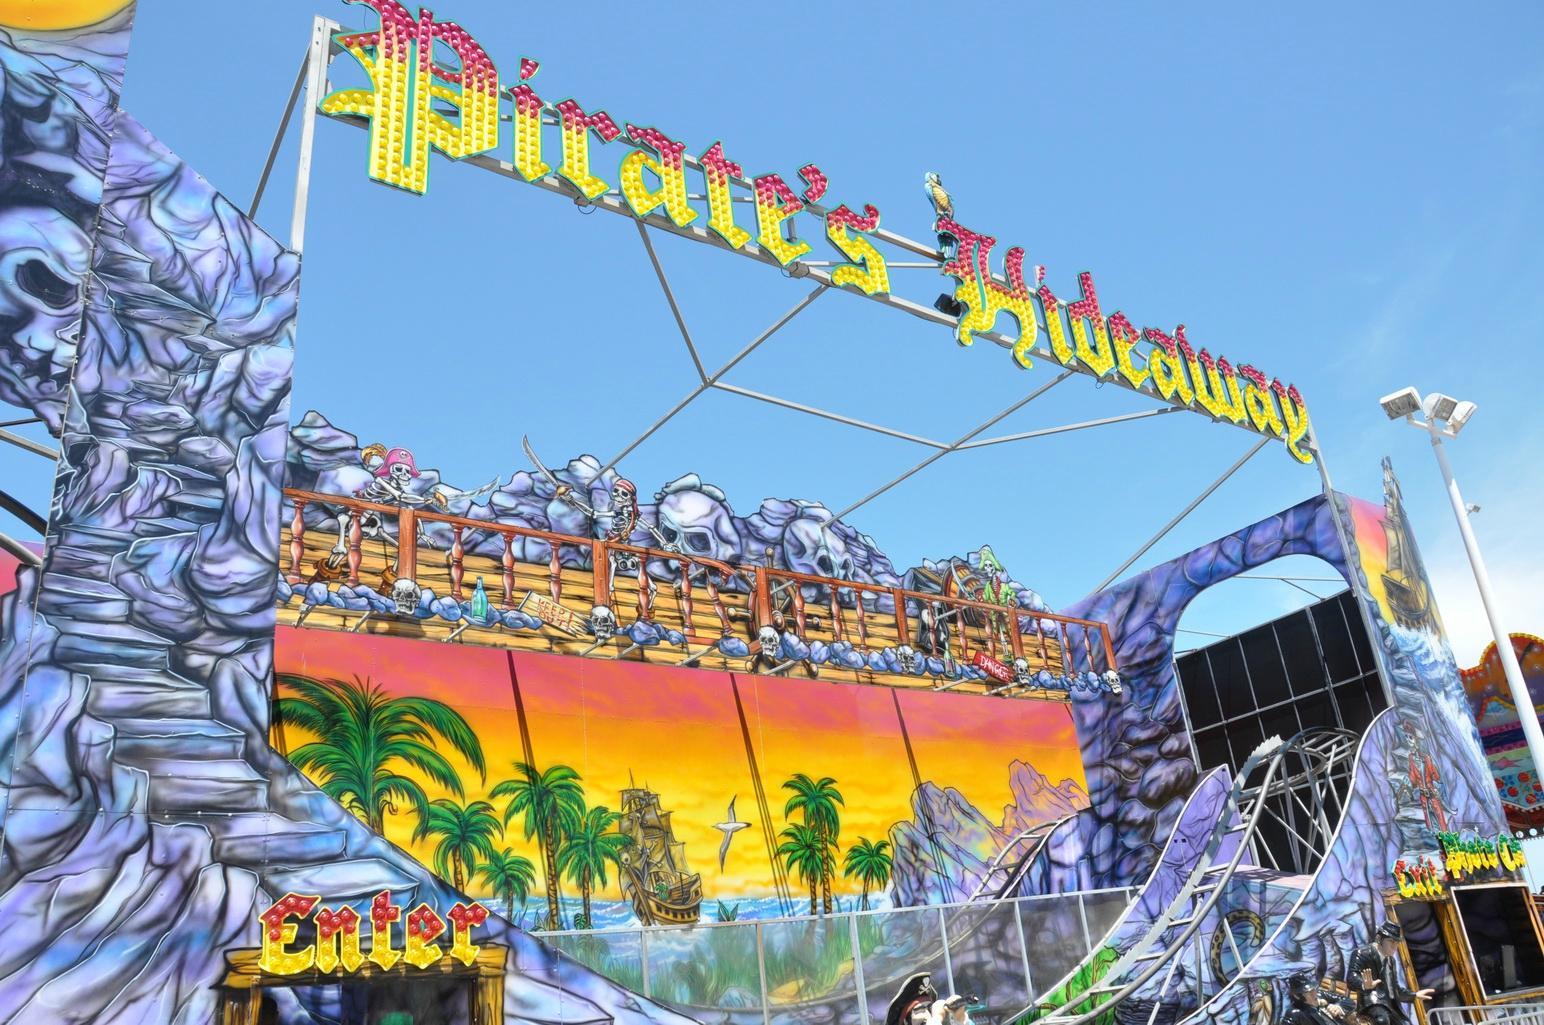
x=1021 y=674
x=43 y=260
x=770 y=642
x=405 y=594
x=603 y=623
x=401 y=473
x=698 y=524
x=906 y=655
x=1112 y=680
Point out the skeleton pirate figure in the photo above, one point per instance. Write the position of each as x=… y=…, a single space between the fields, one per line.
x=913 y=1004
x=615 y=526
x=391 y=474
x=1374 y=975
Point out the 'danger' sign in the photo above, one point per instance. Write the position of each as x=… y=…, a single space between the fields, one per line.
x=407 y=78
x=338 y=935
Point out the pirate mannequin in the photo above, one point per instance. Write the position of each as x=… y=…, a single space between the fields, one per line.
x=1374 y=974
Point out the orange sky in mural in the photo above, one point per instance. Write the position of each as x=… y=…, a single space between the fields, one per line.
x=1372 y=546
x=677 y=731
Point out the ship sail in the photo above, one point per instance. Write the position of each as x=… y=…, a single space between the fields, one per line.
x=654 y=874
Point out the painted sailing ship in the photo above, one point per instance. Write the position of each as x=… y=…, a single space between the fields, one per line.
x=654 y=873
x=1404 y=578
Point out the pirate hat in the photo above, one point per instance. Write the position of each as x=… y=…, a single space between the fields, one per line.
x=917 y=989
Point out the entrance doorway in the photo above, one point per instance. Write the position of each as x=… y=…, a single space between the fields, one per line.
x=1479 y=945
x=449 y=993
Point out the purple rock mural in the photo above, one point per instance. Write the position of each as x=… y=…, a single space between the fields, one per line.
x=146 y=820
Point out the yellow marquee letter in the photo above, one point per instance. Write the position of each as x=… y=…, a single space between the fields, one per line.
x=668 y=167
x=423 y=925
x=718 y=172
x=404 y=80
x=335 y=929
x=577 y=126
x=382 y=913
x=868 y=273
x=278 y=931
x=463 y=920
x=775 y=203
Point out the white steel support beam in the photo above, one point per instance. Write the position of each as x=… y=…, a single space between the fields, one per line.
x=955 y=446
x=710 y=380
x=1203 y=496
x=1067 y=428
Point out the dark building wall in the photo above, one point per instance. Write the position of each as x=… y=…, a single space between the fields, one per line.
x=1313 y=667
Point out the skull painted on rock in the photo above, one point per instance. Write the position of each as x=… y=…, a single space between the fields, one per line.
x=810 y=547
x=699 y=525
x=44 y=257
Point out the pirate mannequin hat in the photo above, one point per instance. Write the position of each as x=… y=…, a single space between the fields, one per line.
x=917 y=989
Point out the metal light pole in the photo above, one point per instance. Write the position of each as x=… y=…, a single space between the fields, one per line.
x=1441 y=409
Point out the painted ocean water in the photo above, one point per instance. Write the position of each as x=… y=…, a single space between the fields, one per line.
x=618 y=914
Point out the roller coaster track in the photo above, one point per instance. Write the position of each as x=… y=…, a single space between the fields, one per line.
x=1036 y=836
x=1283 y=770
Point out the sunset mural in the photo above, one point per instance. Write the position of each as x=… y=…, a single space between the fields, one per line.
x=678 y=732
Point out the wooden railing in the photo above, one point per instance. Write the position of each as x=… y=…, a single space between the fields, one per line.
x=739 y=599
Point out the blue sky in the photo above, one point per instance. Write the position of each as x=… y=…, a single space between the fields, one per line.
x=1345 y=199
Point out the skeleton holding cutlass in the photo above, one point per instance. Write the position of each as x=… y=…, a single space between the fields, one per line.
x=621 y=521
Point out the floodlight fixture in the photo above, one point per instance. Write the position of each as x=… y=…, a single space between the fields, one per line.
x=1438 y=406
x=1402 y=403
x=1460 y=415
x=1445 y=417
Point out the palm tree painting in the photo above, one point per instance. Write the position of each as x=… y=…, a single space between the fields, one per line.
x=587 y=849
x=816 y=801
x=465 y=832
x=551 y=803
x=807 y=853
x=510 y=876
x=368 y=739
x=870 y=862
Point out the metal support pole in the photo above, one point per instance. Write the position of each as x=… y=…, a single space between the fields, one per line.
x=675 y=307
x=1088 y=941
x=643 y=955
x=712 y=379
x=1203 y=496
x=29 y=445
x=1029 y=979
x=1522 y=701
x=278 y=136
x=761 y=966
x=1346 y=546
x=943 y=932
x=955 y=446
x=857 y=969
x=316 y=77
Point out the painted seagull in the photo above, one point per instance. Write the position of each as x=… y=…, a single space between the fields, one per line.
x=729 y=828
